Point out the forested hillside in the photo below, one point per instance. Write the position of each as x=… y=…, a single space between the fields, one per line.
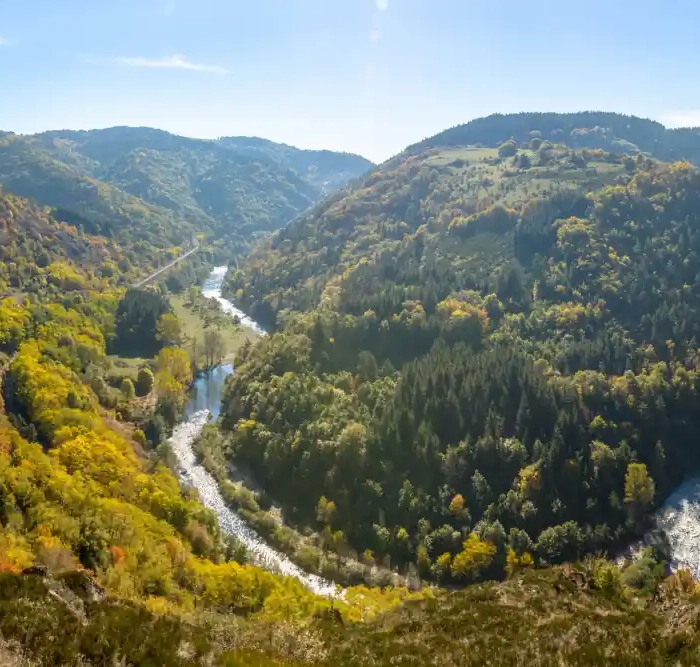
x=149 y=186
x=78 y=198
x=458 y=165
x=486 y=357
x=35 y=249
x=102 y=554
x=485 y=361
x=77 y=487
x=325 y=170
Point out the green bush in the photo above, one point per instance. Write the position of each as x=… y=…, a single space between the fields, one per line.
x=144 y=382
x=127 y=389
x=508 y=149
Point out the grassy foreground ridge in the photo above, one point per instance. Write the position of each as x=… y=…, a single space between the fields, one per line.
x=569 y=616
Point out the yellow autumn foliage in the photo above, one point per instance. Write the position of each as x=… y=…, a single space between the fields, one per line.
x=476 y=555
x=515 y=562
x=65 y=276
x=82 y=497
x=14 y=319
x=457 y=309
x=174 y=372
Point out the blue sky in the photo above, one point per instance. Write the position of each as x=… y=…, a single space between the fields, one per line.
x=367 y=76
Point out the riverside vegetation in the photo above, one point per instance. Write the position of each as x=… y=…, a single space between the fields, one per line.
x=86 y=497
x=485 y=357
x=482 y=371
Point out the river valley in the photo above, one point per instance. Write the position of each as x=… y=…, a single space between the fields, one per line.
x=204 y=404
x=679 y=518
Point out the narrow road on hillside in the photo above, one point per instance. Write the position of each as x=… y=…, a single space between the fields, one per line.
x=168 y=266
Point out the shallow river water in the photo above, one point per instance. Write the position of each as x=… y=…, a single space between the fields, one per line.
x=680 y=520
x=680 y=517
x=205 y=404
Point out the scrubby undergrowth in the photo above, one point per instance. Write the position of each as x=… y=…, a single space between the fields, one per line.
x=563 y=616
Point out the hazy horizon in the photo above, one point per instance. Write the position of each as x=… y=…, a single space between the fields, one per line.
x=313 y=148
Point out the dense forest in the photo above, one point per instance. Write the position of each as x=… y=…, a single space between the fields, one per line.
x=482 y=374
x=140 y=185
x=484 y=357
x=89 y=500
x=36 y=250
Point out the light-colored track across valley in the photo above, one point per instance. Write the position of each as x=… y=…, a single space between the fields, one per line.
x=155 y=274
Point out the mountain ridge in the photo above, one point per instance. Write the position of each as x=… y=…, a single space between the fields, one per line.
x=647 y=131
x=467 y=309
x=175 y=186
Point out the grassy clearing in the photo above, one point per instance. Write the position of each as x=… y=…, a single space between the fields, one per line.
x=196 y=319
x=126 y=367
x=470 y=153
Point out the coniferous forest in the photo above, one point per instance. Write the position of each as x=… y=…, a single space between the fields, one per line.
x=478 y=351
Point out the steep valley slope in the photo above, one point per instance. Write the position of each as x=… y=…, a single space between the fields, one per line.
x=485 y=354
x=482 y=373
x=141 y=184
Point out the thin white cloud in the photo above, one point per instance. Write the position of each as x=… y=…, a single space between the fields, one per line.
x=375 y=35
x=6 y=41
x=689 y=118
x=382 y=5
x=171 y=62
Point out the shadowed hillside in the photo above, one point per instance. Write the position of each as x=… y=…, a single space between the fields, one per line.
x=148 y=185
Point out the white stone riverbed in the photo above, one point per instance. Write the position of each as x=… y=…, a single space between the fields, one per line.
x=680 y=520
x=205 y=403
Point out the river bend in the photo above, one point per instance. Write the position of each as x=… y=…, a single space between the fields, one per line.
x=680 y=517
x=204 y=404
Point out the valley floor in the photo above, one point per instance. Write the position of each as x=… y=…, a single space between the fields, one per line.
x=195 y=319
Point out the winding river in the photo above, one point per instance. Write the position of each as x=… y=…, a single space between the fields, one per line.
x=212 y=290
x=680 y=520
x=204 y=404
x=680 y=517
